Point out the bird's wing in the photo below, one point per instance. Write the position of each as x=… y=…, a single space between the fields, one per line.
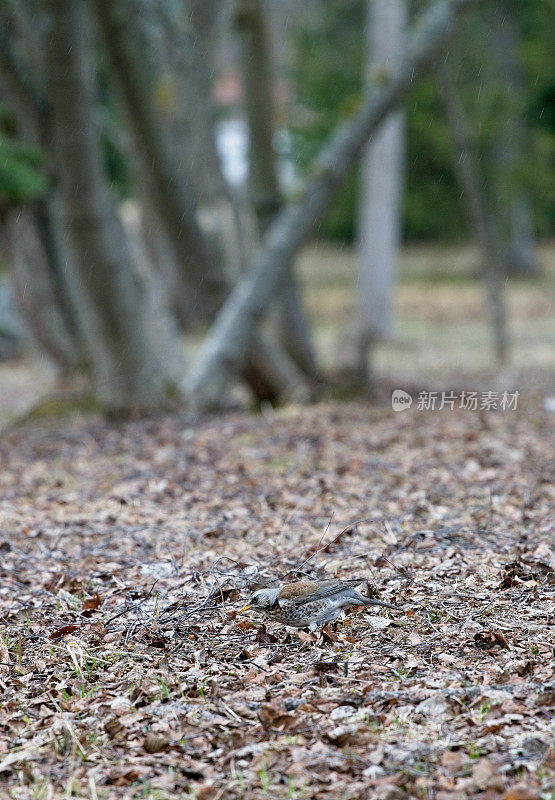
x=318 y=590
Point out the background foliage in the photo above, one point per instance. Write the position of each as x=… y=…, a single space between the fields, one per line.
x=21 y=174
x=327 y=66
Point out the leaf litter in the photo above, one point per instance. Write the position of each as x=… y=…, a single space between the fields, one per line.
x=125 y=554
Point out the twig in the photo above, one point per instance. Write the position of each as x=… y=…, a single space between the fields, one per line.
x=351 y=526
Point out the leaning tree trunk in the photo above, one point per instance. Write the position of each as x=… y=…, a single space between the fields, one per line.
x=130 y=377
x=264 y=193
x=379 y=223
x=478 y=207
x=224 y=349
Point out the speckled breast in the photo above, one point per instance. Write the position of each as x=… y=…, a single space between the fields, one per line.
x=306 y=612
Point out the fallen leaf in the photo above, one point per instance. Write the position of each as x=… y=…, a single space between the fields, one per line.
x=272 y=717
x=155 y=743
x=482 y=773
x=114 y=728
x=91 y=604
x=520 y=791
x=4 y=659
x=57 y=634
x=452 y=761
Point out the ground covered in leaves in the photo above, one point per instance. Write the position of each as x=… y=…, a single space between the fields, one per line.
x=125 y=671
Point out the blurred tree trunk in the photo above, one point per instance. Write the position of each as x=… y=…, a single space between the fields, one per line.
x=189 y=36
x=33 y=235
x=130 y=374
x=172 y=190
x=222 y=353
x=204 y=267
x=292 y=328
x=380 y=203
x=47 y=216
x=41 y=278
x=263 y=183
x=520 y=256
x=478 y=207
x=513 y=203
x=175 y=39
x=36 y=291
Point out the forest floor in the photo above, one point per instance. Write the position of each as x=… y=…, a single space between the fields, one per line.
x=126 y=552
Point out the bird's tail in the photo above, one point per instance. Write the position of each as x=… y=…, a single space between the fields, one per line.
x=362 y=599
x=368 y=601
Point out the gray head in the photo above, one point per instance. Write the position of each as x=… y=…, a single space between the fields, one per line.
x=263 y=599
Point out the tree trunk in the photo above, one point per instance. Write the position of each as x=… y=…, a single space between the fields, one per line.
x=129 y=374
x=48 y=220
x=190 y=35
x=264 y=192
x=38 y=256
x=513 y=204
x=291 y=325
x=203 y=268
x=379 y=224
x=168 y=180
x=224 y=350
x=521 y=256
x=176 y=40
x=481 y=217
x=37 y=296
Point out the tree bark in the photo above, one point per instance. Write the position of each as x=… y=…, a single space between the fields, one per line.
x=520 y=257
x=168 y=180
x=202 y=268
x=191 y=46
x=379 y=223
x=35 y=291
x=47 y=215
x=263 y=183
x=514 y=208
x=38 y=256
x=481 y=217
x=129 y=373
x=291 y=325
x=224 y=349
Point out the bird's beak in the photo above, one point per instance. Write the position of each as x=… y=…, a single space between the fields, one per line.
x=245 y=608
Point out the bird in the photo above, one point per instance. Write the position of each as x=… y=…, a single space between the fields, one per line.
x=309 y=604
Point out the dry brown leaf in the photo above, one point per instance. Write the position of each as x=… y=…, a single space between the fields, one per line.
x=452 y=761
x=521 y=791
x=114 y=728
x=91 y=604
x=155 y=743
x=64 y=631
x=5 y=660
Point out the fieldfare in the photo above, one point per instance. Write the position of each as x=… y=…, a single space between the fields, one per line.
x=308 y=604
